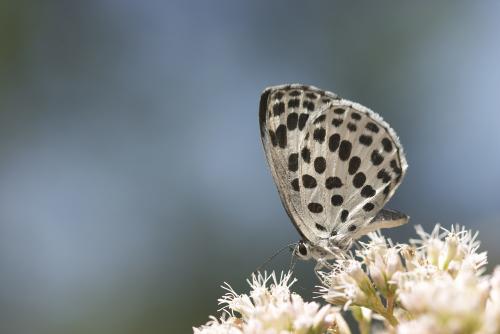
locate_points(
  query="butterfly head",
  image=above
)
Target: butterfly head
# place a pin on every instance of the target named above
(305, 250)
(302, 250)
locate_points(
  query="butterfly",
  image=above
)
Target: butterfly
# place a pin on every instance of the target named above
(335, 163)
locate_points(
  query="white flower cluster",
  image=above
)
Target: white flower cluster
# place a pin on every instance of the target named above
(431, 285)
(270, 308)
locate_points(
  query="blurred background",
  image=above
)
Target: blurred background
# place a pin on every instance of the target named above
(132, 177)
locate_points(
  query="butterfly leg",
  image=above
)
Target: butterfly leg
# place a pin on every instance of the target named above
(317, 270)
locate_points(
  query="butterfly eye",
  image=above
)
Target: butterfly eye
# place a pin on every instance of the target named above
(302, 249)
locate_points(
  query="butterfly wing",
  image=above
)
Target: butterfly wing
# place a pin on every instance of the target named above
(357, 163)
(284, 116)
(337, 168)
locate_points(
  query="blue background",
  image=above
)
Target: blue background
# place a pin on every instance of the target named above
(132, 177)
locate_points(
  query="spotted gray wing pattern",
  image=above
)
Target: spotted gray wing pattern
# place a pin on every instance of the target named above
(335, 162)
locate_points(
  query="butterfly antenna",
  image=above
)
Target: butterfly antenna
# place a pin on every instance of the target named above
(293, 262)
(274, 255)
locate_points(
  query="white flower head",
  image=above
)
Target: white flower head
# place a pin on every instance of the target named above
(434, 284)
(348, 284)
(456, 304)
(382, 259)
(271, 308)
(450, 250)
(218, 326)
(492, 322)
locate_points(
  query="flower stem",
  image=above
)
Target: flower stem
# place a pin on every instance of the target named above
(390, 302)
(387, 314)
(390, 318)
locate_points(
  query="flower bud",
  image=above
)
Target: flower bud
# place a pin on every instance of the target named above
(393, 263)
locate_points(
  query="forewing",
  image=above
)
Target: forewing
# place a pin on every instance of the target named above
(285, 115)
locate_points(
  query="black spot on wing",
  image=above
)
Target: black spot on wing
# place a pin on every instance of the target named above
(339, 111)
(315, 207)
(281, 135)
(386, 143)
(351, 126)
(344, 215)
(274, 140)
(365, 140)
(279, 108)
(377, 158)
(293, 103)
(383, 175)
(292, 120)
(395, 167)
(345, 150)
(319, 135)
(367, 191)
(337, 122)
(308, 181)
(337, 200)
(372, 127)
(355, 116)
(262, 110)
(387, 189)
(319, 165)
(368, 207)
(333, 182)
(320, 227)
(308, 105)
(359, 179)
(293, 162)
(306, 154)
(334, 142)
(295, 184)
(354, 164)
(302, 120)
(320, 119)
